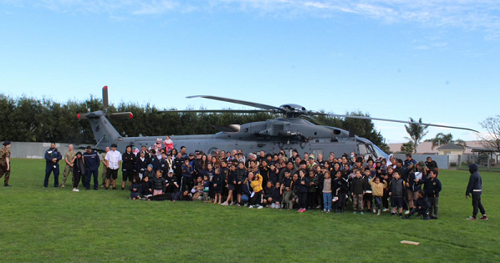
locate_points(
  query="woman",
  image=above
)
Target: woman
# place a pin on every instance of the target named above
(78, 170)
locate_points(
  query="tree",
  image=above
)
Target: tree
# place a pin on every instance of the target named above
(491, 139)
(407, 147)
(442, 139)
(417, 132)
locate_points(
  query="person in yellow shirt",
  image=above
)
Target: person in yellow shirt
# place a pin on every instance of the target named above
(256, 195)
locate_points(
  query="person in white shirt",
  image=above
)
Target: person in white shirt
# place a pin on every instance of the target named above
(113, 162)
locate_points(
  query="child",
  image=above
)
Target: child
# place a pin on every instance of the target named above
(198, 189)
(368, 194)
(303, 188)
(273, 173)
(286, 190)
(312, 190)
(149, 172)
(78, 170)
(158, 184)
(378, 193)
(277, 198)
(268, 194)
(218, 184)
(206, 189)
(256, 185)
(135, 189)
(357, 190)
(147, 191)
(231, 185)
(171, 183)
(421, 206)
(432, 187)
(396, 193)
(340, 188)
(327, 193)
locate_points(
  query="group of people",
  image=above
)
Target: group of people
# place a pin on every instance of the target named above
(259, 180)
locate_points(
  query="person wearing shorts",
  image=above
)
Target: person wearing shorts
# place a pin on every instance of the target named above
(113, 162)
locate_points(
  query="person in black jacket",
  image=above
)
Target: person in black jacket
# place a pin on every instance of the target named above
(78, 170)
(421, 206)
(218, 184)
(135, 189)
(158, 184)
(128, 166)
(52, 158)
(357, 190)
(475, 187)
(340, 189)
(432, 187)
(303, 188)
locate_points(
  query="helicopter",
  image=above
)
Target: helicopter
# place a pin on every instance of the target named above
(288, 132)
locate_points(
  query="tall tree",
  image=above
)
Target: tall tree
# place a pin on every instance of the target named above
(416, 132)
(491, 139)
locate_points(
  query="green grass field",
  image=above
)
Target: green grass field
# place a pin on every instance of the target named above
(58, 225)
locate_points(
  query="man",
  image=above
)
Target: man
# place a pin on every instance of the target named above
(475, 187)
(104, 170)
(68, 159)
(5, 163)
(431, 164)
(113, 161)
(409, 162)
(92, 163)
(52, 158)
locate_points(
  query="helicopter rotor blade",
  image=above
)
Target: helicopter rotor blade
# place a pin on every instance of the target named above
(105, 100)
(242, 102)
(217, 111)
(399, 121)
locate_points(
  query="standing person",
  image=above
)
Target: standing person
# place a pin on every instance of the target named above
(92, 163)
(78, 170)
(52, 158)
(113, 162)
(68, 159)
(475, 187)
(327, 193)
(104, 170)
(128, 166)
(5, 163)
(432, 187)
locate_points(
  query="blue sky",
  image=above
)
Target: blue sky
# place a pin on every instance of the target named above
(438, 60)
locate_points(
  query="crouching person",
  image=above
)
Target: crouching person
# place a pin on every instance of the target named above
(421, 206)
(135, 189)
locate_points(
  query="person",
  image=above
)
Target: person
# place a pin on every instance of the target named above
(396, 193)
(421, 206)
(432, 187)
(92, 163)
(158, 184)
(340, 188)
(475, 188)
(78, 170)
(5, 163)
(68, 159)
(169, 144)
(378, 193)
(197, 190)
(231, 185)
(104, 167)
(269, 193)
(147, 191)
(256, 187)
(206, 189)
(135, 189)
(431, 164)
(312, 190)
(278, 197)
(113, 162)
(218, 185)
(286, 190)
(52, 158)
(128, 166)
(357, 190)
(302, 190)
(327, 193)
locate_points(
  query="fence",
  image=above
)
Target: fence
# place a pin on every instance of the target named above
(34, 150)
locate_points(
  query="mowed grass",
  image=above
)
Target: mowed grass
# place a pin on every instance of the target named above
(58, 225)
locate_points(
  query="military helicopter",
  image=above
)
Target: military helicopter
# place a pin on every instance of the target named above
(286, 133)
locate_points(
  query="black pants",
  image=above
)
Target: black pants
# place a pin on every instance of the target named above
(422, 212)
(340, 204)
(311, 197)
(477, 205)
(76, 179)
(255, 200)
(385, 199)
(303, 200)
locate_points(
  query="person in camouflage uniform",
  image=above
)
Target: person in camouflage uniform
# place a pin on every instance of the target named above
(68, 159)
(5, 163)
(104, 170)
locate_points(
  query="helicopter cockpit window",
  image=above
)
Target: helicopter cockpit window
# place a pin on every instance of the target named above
(362, 149)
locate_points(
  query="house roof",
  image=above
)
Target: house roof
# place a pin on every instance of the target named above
(450, 146)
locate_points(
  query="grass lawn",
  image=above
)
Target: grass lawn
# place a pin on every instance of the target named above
(58, 225)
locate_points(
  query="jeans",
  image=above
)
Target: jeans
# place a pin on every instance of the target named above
(378, 202)
(327, 201)
(49, 168)
(95, 174)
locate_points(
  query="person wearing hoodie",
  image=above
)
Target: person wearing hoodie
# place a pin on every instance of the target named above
(475, 188)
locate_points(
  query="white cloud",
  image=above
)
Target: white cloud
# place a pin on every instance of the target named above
(422, 47)
(155, 7)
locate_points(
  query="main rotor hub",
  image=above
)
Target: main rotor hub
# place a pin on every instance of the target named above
(293, 110)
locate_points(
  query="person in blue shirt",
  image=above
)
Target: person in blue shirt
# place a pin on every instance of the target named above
(52, 158)
(92, 163)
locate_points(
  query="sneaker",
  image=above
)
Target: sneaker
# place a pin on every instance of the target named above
(361, 213)
(324, 210)
(484, 217)
(407, 212)
(318, 207)
(374, 210)
(300, 210)
(76, 190)
(378, 212)
(232, 203)
(354, 212)
(471, 218)
(62, 186)
(7, 185)
(328, 211)
(385, 210)
(239, 204)
(224, 204)
(259, 207)
(250, 206)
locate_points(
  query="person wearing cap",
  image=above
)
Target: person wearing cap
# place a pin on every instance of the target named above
(52, 158)
(68, 159)
(5, 163)
(92, 163)
(113, 161)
